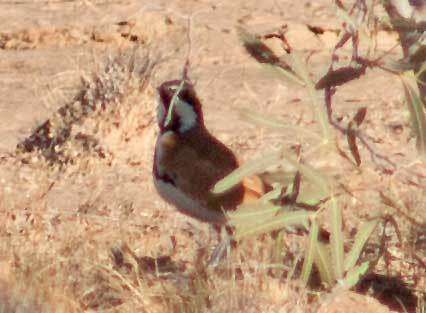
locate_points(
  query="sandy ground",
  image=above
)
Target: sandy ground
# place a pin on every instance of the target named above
(68, 229)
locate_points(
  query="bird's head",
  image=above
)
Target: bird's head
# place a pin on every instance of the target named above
(179, 108)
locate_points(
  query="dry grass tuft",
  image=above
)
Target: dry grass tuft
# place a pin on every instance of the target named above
(78, 241)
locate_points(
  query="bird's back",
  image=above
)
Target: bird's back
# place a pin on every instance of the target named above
(196, 163)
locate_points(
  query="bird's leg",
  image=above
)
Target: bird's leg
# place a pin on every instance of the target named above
(223, 247)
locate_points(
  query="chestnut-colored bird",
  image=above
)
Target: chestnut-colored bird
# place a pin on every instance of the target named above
(189, 161)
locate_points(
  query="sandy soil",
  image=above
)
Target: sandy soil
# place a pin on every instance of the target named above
(82, 223)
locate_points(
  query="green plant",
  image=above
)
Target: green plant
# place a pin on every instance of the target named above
(271, 213)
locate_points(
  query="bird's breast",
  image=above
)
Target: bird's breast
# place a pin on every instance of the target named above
(187, 205)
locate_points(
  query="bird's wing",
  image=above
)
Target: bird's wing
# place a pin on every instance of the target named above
(196, 167)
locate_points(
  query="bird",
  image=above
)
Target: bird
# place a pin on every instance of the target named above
(189, 160)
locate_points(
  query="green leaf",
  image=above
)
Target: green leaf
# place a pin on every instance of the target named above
(317, 107)
(248, 169)
(360, 240)
(311, 193)
(259, 224)
(310, 252)
(274, 194)
(336, 239)
(353, 276)
(420, 72)
(173, 102)
(323, 263)
(314, 176)
(397, 66)
(254, 213)
(416, 109)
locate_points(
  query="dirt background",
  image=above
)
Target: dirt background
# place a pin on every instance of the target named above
(62, 222)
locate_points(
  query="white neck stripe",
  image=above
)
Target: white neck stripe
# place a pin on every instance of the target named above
(188, 117)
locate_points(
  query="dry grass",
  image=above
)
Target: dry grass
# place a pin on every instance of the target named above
(110, 254)
(77, 239)
(76, 242)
